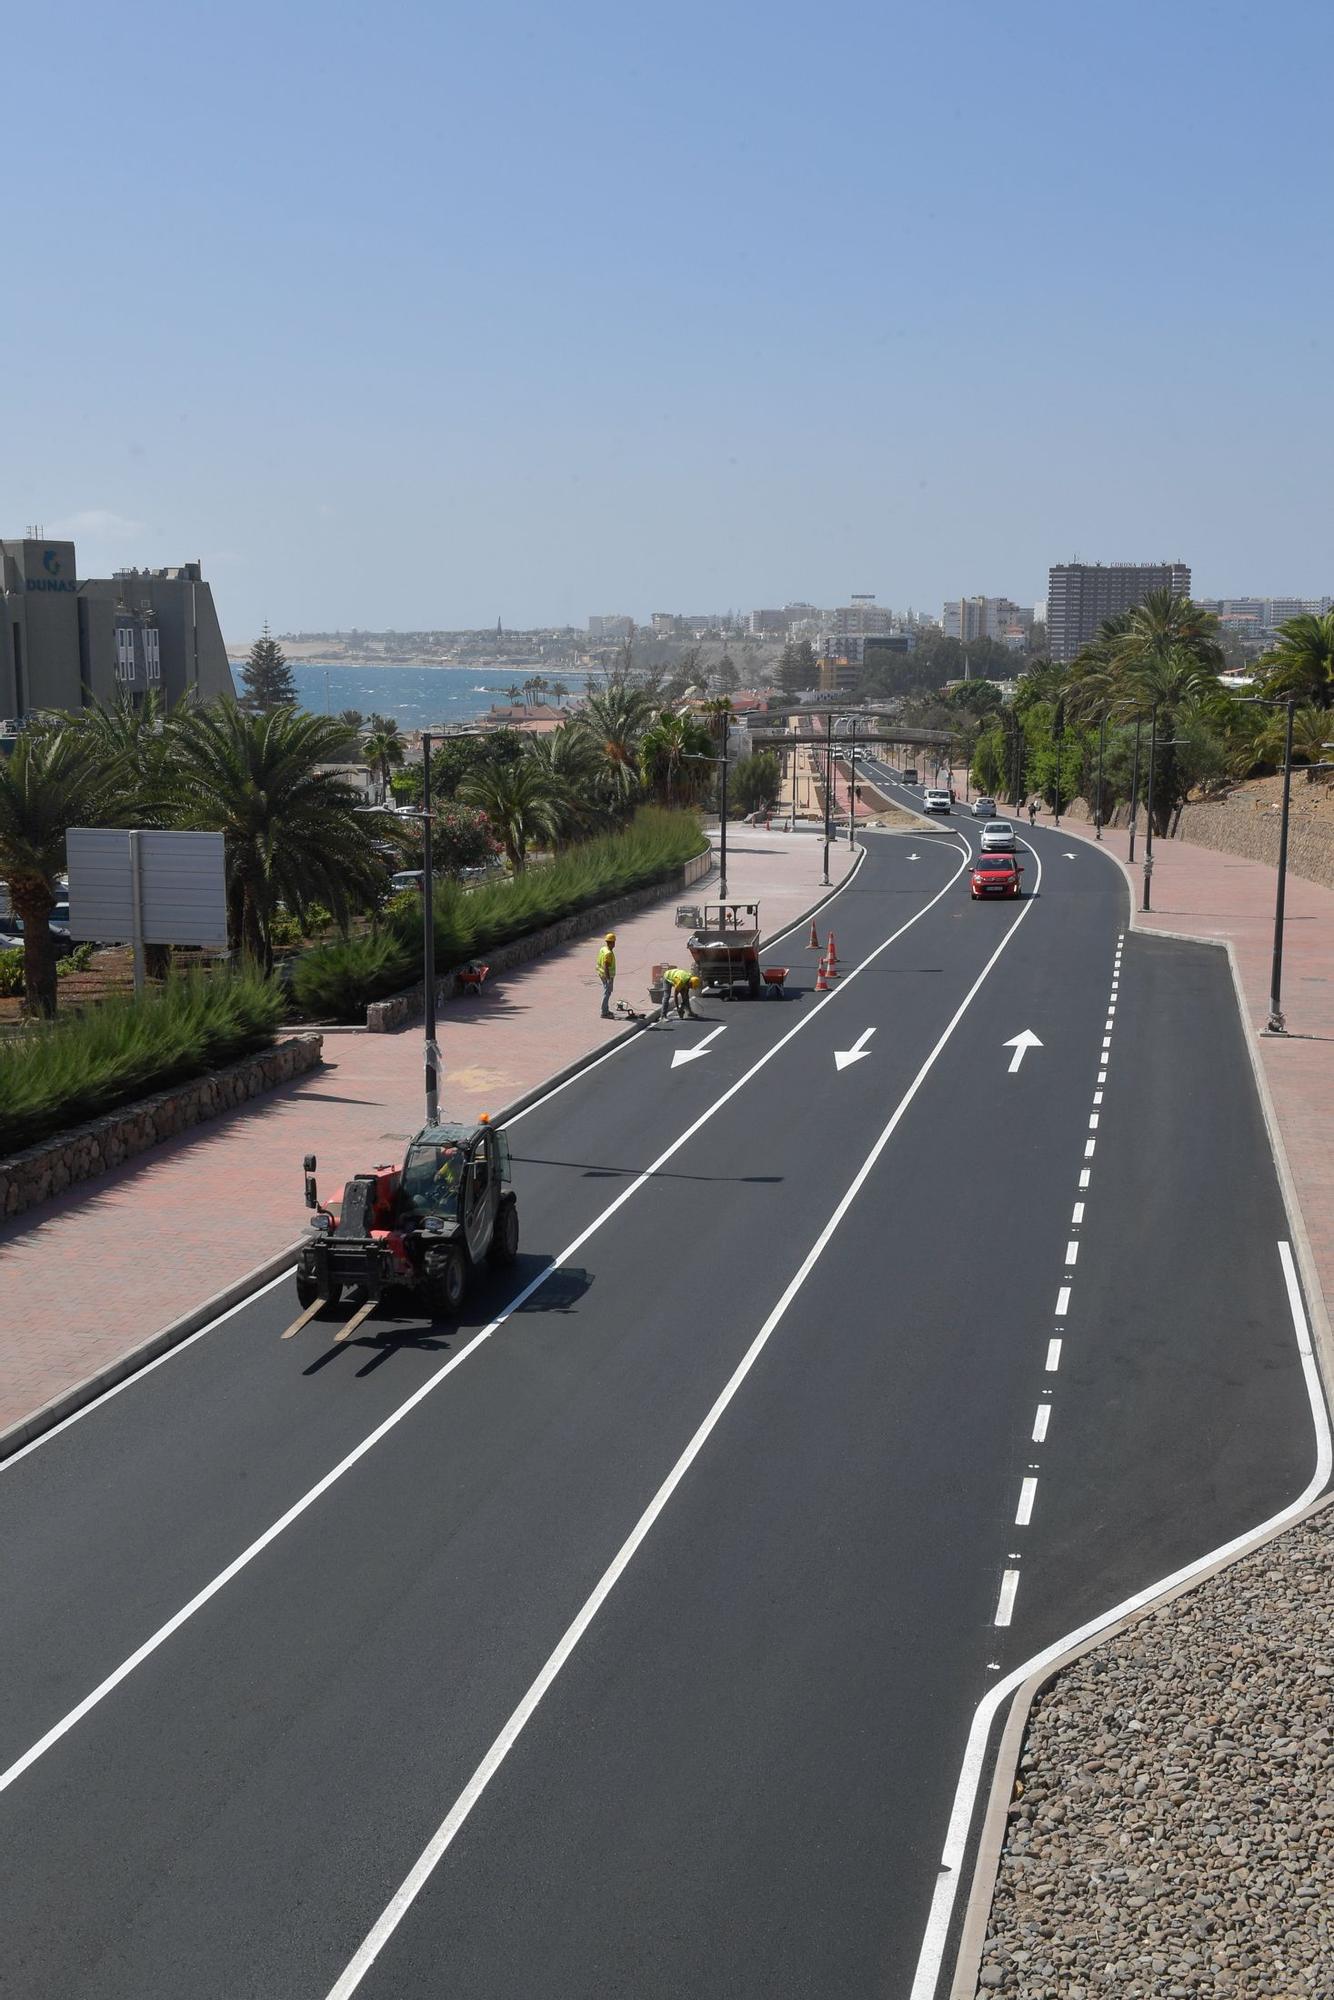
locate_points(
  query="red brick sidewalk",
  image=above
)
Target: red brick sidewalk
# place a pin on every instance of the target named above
(182, 1222)
(1200, 892)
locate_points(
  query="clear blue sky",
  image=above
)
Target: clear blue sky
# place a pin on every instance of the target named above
(412, 314)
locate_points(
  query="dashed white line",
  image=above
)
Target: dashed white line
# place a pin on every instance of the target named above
(1107, 1041)
(1089, 1145)
(1102, 1076)
(1071, 1254)
(1085, 1176)
(1097, 1097)
(1053, 1356)
(1093, 1121)
(1027, 1494)
(1040, 1421)
(1063, 1302)
(1005, 1602)
(1078, 1215)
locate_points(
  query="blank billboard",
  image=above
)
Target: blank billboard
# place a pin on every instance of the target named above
(182, 886)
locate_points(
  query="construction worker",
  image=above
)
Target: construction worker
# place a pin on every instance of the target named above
(607, 971)
(678, 985)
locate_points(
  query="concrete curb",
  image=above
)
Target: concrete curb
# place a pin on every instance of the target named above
(16, 1435)
(986, 1867)
(70, 1400)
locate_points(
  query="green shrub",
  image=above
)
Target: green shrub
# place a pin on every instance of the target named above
(56, 1074)
(11, 973)
(77, 960)
(335, 981)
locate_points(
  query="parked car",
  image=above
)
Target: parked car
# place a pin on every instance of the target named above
(998, 837)
(407, 878)
(995, 875)
(984, 809)
(935, 801)
(62, 944)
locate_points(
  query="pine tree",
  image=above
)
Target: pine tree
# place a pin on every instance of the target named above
(266, 678)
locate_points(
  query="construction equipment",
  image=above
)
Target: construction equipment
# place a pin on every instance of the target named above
(422, 1228)
(725, 947)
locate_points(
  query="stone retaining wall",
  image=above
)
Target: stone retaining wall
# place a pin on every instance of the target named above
(401, 1010)
(1248, 828)
(86, 1150)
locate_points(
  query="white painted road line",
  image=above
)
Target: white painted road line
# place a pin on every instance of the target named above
(1097, 1097)
(1071, 1253)
(1089, 1145)
(443, 1837)
(700, 1048)
(1063, 1302)
(1004, 1606)
(396, 1416)
(936, 1934)
(1085, 1176)
(1078, 1216)
(1042, 1417)
(1027, 1494)
(1093, 1121)
(1053, 1356)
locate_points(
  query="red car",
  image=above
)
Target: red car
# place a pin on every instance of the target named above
(995, 875)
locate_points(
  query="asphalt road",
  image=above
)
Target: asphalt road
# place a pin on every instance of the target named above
(664, 1603)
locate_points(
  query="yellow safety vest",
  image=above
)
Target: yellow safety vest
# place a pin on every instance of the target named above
(606, 963)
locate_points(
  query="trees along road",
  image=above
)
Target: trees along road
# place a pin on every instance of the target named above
(626, 1639)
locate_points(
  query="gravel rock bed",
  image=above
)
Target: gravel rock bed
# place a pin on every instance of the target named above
(1175, 1832)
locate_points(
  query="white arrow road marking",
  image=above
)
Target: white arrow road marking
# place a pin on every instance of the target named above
(1021, 1044)
(1069, 857)
(688, 1055)
(914, 857)
(845, 1056)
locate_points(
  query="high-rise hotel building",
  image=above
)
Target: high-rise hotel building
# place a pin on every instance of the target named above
(1081, 595)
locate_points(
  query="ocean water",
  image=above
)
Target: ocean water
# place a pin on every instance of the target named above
(416, 697)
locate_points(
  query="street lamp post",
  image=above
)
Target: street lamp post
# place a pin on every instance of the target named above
(1148, 816)
(1134, 785)
(1276, 1025)
(852, 788)
(1102, 747)
(428, 941)
(828, 791)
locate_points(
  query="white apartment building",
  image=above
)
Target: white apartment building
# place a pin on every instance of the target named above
(969, 618)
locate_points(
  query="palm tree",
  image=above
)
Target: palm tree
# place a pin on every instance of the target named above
(513, 694)
(666, 754)
(351, 719)
(382, 750)
(53, 780)
(568, 763)
(539, 685)
(615, 716)
(519, 804)
(293, 832)
(1310, 734)
(1302, 663)
(560, 694)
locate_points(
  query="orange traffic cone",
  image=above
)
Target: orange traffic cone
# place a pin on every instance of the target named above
(832, 954)
(821, 983)
(813, 941)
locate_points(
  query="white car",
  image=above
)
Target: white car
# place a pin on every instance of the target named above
(936, 801)
(984, 809)
(998, 837)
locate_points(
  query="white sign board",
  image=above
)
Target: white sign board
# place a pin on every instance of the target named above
(149, 886)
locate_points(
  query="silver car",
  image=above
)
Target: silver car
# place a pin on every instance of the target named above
(984, 809)
(998, 837)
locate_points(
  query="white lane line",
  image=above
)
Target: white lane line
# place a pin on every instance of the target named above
(1041, 1418)
(1028, 1490)
(1085, 1176)
(1097, 1097)
(179, 1347)
(1071, 1253)
(1004, 1608)
(1107, 1043)
(1093, 1121)
(936, 1934)
(1063, 1302)
(77, 1416)
(1102, 1076)
(445, 1834)
(1053, 1356)
(1078, 1215)
(1089, 1145)
(419, 1395)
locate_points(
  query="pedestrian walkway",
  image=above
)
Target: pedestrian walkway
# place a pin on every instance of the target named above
(95, 1272)
(1201, 892)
